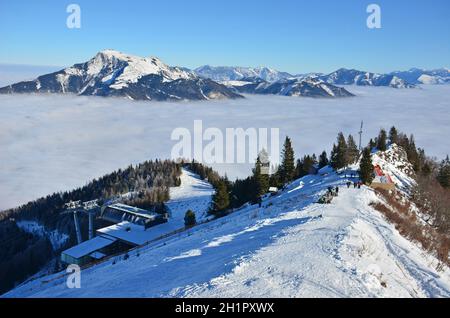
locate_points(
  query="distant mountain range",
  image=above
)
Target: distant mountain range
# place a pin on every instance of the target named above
(230, 73)
(112, 73)
(308, 87)
(354, 77)
(405, 79)
(419, 76)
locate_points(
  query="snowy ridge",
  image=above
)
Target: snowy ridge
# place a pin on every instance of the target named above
(291, 247)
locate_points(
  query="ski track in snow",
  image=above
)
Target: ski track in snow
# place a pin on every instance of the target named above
(291, 247)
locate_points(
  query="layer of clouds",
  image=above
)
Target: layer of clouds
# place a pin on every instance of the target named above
(51, 143)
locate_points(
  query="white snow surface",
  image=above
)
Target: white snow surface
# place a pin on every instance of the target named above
(57, 143)
(290, 247)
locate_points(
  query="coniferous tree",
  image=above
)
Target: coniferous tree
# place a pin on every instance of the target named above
(221, 198)
(274, 179)
(352, 150)
(366, 167)
(261, 177)
(333, 156)
(189, 218)
(305, 165)
(308, 164)
(287, 169)
(412, 153)
(298, 168)
(372, 144)
(393, 135)
(339, 153)
(323, 159)
(381, 140)
(444, 173)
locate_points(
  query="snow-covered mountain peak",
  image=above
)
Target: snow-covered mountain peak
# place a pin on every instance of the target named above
(122, 69)
(113, 73)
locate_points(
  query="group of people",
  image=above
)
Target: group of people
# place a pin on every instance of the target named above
(356, 184)
(334, 191)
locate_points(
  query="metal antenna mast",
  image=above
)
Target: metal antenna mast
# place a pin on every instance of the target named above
(360, 134)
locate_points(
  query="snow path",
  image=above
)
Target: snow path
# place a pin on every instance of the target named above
(291, 247)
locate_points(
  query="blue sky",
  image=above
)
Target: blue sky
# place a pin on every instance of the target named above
(290, 35)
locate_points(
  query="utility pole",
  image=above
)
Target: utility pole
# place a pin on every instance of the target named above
(77, 226)
(360, 134)
(91, 225)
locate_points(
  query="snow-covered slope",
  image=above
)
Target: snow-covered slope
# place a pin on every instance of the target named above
(113, 73)
(290, 247)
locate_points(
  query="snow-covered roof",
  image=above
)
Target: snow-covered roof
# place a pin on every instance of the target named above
(88, 247)
(119, 212)
(130, 209)
(97, 255)
(137, 234)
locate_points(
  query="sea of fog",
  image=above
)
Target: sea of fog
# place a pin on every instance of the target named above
(52, 143)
